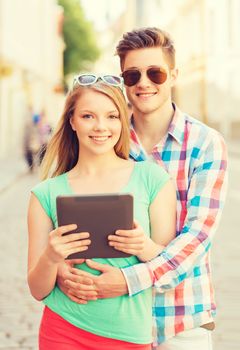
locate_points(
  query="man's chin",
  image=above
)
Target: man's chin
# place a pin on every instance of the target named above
(144, 110)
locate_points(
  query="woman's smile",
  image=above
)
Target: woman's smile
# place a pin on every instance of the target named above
(100, 139)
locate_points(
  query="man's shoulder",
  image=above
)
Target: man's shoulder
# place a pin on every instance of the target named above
(200, 132)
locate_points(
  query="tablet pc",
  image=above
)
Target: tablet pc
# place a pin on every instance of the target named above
(100, 215)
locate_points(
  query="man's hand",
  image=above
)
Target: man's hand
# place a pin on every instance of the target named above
(77, 288)
(110, 284)
(81, 286)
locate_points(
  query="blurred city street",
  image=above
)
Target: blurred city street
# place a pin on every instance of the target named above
(43, 45)
(20, 314)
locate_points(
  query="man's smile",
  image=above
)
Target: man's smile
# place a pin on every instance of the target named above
(146, 94)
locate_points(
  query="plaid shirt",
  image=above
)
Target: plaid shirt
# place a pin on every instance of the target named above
(195, 157)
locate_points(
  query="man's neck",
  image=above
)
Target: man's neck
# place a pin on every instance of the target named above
(152, 127)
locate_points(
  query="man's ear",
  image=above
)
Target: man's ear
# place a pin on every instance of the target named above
(72, 123)
(174, 75)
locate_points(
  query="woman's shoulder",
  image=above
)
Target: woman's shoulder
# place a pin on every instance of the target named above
(147, 173)
(52, 182)
(150, 167)
(151, 177)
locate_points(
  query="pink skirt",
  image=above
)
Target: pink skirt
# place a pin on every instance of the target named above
(56, 333)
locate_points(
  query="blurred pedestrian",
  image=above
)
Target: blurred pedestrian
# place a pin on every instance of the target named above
(45, 131)
(31, 139)
(88, 150)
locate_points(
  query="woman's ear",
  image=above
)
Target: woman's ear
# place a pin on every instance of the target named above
(71, 121)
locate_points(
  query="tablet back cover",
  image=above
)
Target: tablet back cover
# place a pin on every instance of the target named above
(100, 215)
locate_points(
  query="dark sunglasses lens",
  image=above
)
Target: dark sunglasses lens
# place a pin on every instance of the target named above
(86, 79)
(131, 77)
(157, 75)
(112, 79)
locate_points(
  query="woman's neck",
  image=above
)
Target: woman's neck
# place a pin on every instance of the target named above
(96, 165)
(102, 175)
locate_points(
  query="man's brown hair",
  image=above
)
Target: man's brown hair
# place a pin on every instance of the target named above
(143, 38)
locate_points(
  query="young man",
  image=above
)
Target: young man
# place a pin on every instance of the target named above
(195, 156)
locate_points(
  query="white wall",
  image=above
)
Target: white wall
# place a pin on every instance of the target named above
(30, 44)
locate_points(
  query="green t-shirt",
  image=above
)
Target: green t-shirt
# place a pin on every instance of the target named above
(124, 318)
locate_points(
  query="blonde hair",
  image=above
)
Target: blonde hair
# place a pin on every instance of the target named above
(63, 148)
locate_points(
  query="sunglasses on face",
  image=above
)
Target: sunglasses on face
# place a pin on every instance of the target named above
(90, 79)
(156, 74)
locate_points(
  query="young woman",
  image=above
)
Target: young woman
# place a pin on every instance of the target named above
(89, 154)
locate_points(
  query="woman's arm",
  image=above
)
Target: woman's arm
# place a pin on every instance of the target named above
(47, 248)
(162, 214)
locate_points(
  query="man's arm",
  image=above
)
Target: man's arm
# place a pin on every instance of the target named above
(204, 206)
(81, 286)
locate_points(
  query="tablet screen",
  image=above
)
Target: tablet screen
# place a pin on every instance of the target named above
(100, 215)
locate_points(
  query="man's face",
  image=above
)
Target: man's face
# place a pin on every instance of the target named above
(146, 96)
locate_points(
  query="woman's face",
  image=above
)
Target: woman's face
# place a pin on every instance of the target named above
(97, 123)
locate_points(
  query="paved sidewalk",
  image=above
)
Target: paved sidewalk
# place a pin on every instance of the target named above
(11, 168)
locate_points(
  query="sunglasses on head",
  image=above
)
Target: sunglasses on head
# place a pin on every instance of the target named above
(90, 79)
(156, 74)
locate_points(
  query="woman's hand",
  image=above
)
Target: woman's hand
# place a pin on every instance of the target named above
(129, 241)
(135, 242)
(60, 246)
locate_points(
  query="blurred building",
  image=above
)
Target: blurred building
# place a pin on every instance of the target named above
(207, 39)
(31, 66)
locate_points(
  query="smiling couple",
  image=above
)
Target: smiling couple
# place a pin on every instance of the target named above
(108, 303)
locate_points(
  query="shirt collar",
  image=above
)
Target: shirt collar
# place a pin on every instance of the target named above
(176, 130)
(177, 125)
(136, 150)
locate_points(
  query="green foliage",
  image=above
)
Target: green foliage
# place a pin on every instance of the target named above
(79, 37)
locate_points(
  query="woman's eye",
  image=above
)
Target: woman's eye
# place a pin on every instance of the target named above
(87, 116)
(113, 116)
